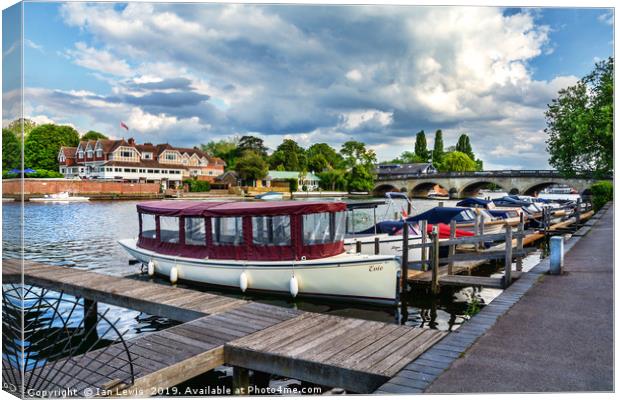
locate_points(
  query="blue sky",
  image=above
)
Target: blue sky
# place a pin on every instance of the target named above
(190, 73)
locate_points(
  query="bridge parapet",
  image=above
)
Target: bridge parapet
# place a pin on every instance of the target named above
(513, 173)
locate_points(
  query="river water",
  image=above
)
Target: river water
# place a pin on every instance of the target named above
(84, 235)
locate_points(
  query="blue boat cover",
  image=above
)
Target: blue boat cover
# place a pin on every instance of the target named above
(442, 215)
(389, 227)
(510, 202)
(472, 202)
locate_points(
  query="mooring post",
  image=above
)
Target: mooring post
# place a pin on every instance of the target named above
(556, 260)
(358, 247)
(452, 247)
(508, 258)
(241, 381)
(476, 229)
(408, 206)
(481, 231)
(435, 259)
(423, 228)
(578, 214)
(377, 246)
(404, 269)
(90, 317)
(520, 239)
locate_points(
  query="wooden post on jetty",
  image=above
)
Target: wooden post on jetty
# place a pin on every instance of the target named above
(481, 232)
(435, 260)
(578, 214)
(452, 247)
(424, 233)
(476, 229)
(358, 247)
(377, 246)
(520, 242)
(241, 381)
(508, 258)
(404, 269)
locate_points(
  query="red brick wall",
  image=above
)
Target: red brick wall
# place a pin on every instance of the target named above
(49, 186)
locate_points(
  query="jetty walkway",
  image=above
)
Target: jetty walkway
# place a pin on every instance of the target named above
(544, 334)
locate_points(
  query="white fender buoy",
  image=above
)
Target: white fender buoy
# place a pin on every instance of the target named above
(293, 286)
(174, 274)
(243, 282)
(151, 268)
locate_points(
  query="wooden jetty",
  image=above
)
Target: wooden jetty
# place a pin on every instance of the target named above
(353, 354)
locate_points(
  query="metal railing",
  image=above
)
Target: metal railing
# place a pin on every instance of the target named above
(386, 174)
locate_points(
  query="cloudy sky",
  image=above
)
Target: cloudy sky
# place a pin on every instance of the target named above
(190, 73)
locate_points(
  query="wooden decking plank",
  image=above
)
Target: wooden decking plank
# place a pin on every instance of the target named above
(275, 335)
(254, 317)
(308, 334)
(184, 342)
(266, 334)
(398, 360)
(270, 311)
(365, 358)
(342, 342)
(341, 356)
(197, 334)
(250, 326)
(214, 326)
(338, 330)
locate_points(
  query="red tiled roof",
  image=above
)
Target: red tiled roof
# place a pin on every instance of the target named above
(69, 152)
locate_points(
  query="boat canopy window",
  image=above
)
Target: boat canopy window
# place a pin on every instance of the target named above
(148, 226)
(271, 231)
(195, 232)
(227, 230)
(320, 228)
(169, 229)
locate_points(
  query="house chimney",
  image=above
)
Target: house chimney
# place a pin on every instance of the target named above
(131, 141)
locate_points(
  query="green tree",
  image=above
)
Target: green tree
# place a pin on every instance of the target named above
(360, 164)
(602, 192)
(322, 156)
(252, 143)
(464, 146)
(16, 126)
(355, 153)
(93, 135)
(290, 155)
(43, 144)
(226, 149)
(457, 161)
(438, 148)
(11, 150)
(251, 166)
(580, 124)
(333, 179)
(422, 154)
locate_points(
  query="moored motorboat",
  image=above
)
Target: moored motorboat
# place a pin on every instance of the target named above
(62, 197)
(270, 196)
(289, 247)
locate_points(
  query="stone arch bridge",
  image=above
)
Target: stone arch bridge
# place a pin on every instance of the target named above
(466, 184)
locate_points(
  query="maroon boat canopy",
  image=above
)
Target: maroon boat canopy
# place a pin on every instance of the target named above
(238, 208)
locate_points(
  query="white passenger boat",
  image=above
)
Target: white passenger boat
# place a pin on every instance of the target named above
(290, 247)
(62, 197)
(270, 196)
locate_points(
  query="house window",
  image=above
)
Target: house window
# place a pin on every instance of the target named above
(271, 231)
(147, 156)
(99, 153)
(156, 171)
(62, 170)
(108, 169)
(171, 156)
(227, 230)
(89, 153)
(150, 171)
(80, 154)
(126, 170)
(195, 232)
(126, 154)
(134, 170)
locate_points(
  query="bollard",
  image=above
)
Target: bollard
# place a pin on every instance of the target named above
(556, 260)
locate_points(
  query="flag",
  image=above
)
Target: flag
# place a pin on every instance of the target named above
(123, 125)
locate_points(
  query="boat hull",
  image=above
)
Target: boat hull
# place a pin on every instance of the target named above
(352, 276)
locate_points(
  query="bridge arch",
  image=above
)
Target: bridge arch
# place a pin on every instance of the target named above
(422, 189)
(381, 190)
(470, 189)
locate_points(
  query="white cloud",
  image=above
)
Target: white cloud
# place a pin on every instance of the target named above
(607, 18)
(377, 74)
(98, 60)
(33, 45)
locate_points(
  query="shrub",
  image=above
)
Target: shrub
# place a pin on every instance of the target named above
(197, 186)
(41, 173)
(602, 192)
(304, 188)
